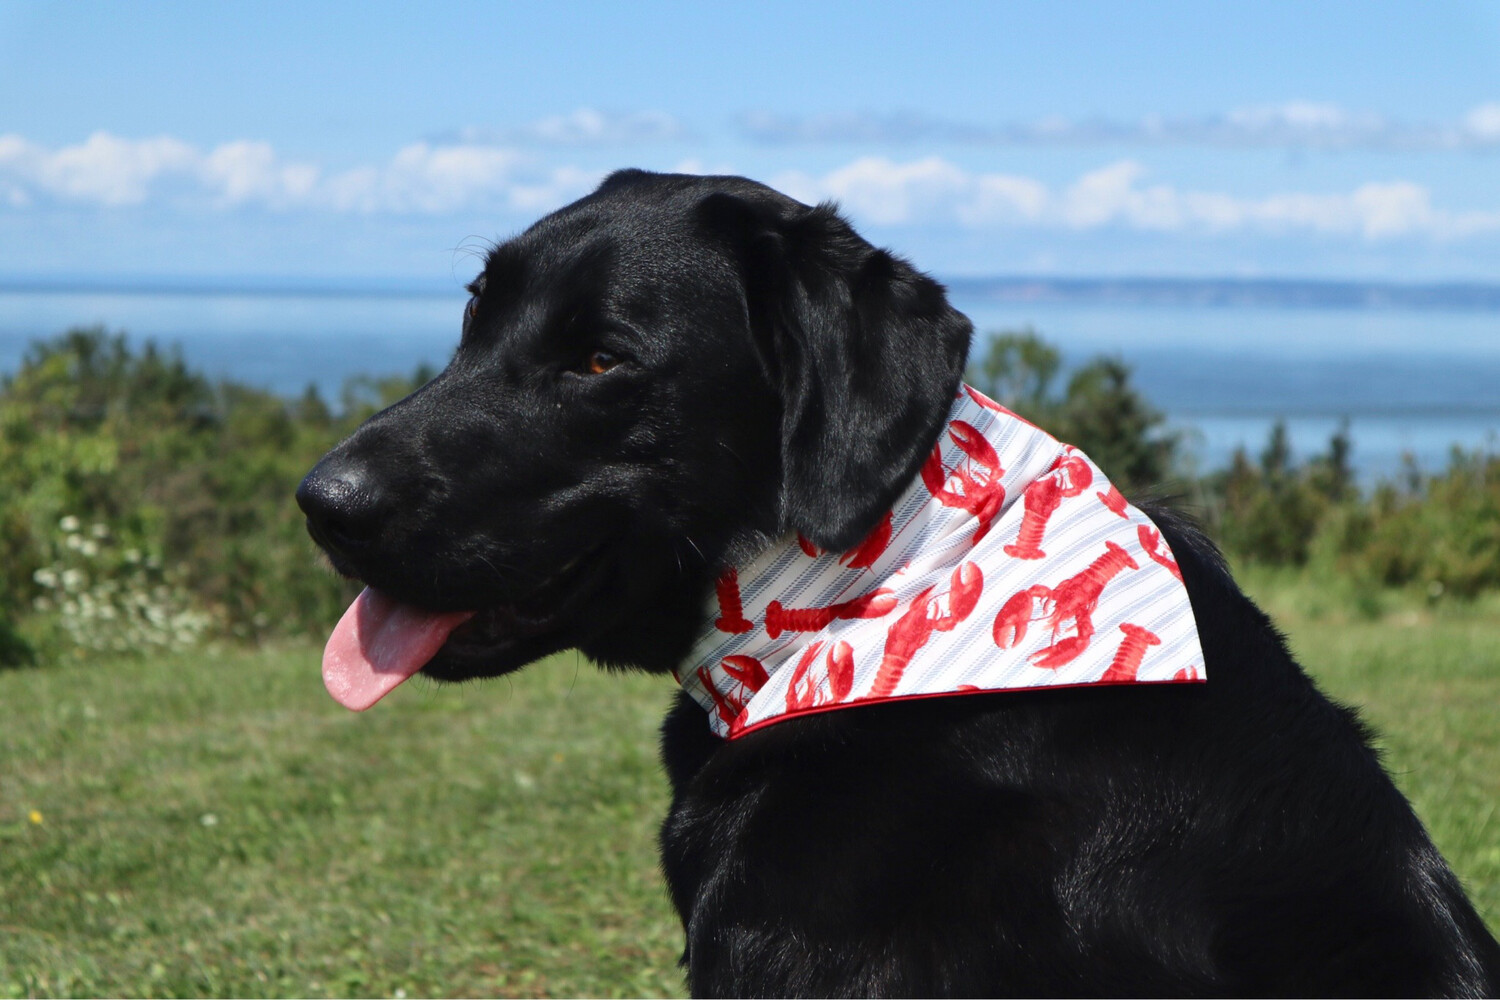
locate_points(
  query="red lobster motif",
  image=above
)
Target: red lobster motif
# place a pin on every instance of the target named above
(1074, 600)
(807, 690)
(1114, 500)
(1069, 476)
(974, 483)
(731, 612)
(1150, 539)
(749, 676)
(927, 613)
(876, 604)
(1127, 661)
(863, 555)
(982, 399)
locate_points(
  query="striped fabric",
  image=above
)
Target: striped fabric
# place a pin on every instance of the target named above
(1010, 563)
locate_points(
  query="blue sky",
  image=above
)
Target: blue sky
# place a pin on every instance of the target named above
(368, 141)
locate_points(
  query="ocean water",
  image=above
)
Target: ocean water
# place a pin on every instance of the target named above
(1408, 382)
(1411, 384)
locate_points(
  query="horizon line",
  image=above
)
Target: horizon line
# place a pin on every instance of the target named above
(1225, 290)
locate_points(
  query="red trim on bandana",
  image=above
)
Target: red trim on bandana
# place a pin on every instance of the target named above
(955, 693)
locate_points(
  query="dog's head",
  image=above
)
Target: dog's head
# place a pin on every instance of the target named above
(651, 383)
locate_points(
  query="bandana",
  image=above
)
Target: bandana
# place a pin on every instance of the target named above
(1009, 563)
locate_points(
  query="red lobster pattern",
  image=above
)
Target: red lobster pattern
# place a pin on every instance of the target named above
(1069, 476)
(808, 688)
(973, 484)
(1150, 538)
(731, 612)
(1074, 600)
(1127, 661)
(927, 613)
(969, 547)
(1114, 500)
(864, 554)
(876, 604)
(749, 676)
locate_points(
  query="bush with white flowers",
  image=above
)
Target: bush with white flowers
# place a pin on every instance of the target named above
(111, 599)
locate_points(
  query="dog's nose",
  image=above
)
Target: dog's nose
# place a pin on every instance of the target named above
(344, 503)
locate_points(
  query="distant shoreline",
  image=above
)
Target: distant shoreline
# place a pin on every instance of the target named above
(1266, 293)
(1272, 293)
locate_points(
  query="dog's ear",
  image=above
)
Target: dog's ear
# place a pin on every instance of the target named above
(867, 353)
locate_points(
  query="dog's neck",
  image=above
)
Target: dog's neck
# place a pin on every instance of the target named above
(1009, 563)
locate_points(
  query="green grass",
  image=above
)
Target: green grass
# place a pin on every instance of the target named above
(214, 824)
(1426, 675)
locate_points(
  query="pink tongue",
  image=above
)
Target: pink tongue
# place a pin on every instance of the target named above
(378, 644)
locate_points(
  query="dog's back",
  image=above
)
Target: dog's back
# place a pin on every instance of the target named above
(1234, 838)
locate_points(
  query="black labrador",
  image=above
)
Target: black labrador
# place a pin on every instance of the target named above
(659, 379)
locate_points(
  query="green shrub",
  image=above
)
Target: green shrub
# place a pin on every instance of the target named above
(1271, 512)
(194, 478)
(1442, 530)
(1099, 411)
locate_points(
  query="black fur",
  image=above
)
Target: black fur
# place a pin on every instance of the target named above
(768, 370)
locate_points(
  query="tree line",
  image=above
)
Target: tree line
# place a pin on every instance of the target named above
(145, 506)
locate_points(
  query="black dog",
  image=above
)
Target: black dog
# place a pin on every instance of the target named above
(659, 379)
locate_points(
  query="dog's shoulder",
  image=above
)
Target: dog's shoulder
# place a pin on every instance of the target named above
(1168, 834)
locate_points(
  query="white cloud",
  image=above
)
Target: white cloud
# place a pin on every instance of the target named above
(881, 191)
(1483, 123)
(1307, 115)
(246, 172)
(886, 192)
(555, 189)
(855, 126)
(110, 171)
(934, 191)
(432, 178)
(103, 169)
(583, 127)
(1297, 124)
(1000, 198)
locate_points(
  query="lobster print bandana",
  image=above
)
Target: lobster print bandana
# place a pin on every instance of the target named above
(1010, 563)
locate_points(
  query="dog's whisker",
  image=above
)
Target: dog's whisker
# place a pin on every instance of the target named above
(734, 454)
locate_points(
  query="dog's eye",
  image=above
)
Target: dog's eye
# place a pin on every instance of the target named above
(471, 309)
(600, 362)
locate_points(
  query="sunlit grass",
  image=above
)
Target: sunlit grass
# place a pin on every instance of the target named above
(212, 823)
(1426, 675)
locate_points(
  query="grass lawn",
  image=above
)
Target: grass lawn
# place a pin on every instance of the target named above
(214, 824)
